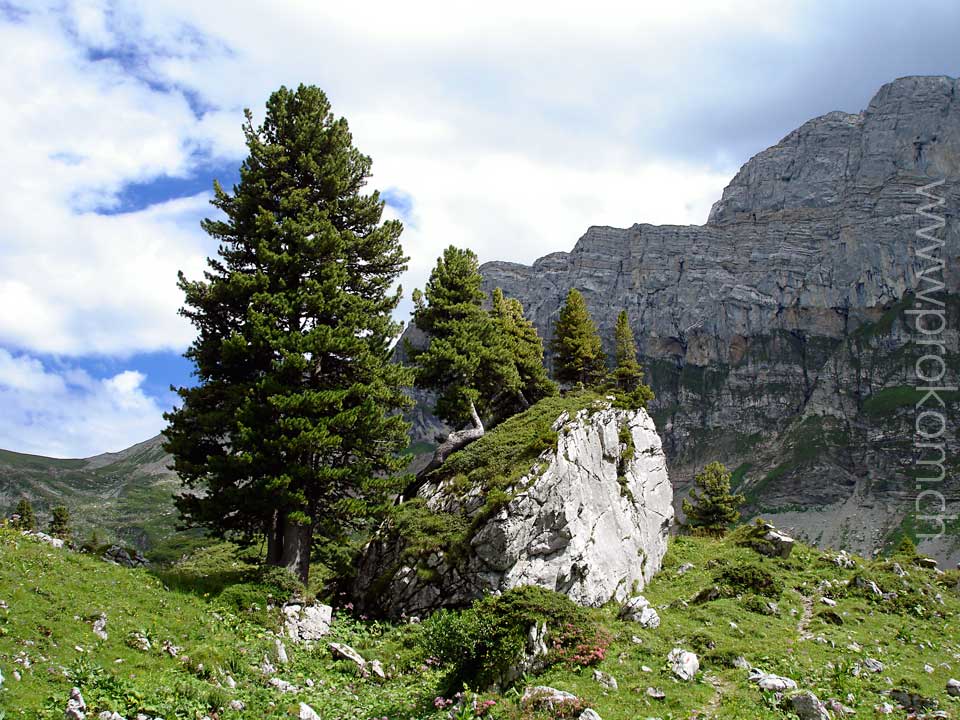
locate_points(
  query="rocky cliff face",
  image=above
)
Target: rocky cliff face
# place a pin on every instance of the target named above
(589, 519)
(774, 335)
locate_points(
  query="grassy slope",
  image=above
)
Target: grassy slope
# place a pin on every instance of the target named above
(53, 595)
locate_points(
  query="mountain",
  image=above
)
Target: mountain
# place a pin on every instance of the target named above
(775, 335)
(127, 495)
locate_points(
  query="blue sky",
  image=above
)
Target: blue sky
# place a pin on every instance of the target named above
(505, 127)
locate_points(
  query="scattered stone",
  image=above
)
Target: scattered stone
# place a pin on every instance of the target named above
(741, 662)
(912, 701)
(307, 623)
(844, 560)
(266, 667)
(376, 668)
(76, 707)
(307, 712)
(108, 715)
(230, 682)
(807, 706)
(838, 708)
(953, 687)
(771, 682)
(870, 585)
(171, 649)
(927, 668)
(636, 640)
(774, 543)
(829, 602)
(340, 650)
(281, 652)
(685, 568)
(683, 663)
(873, 665)
(44, 538)
(237, 705)
(283, 686)
(898, 570)
(656, 693)
(706, 595)
(120, 556)
(543, 696)
(637, 609)
(100, 627)
(926, 562)
(605, 679)
(589, 714)
(139, 641)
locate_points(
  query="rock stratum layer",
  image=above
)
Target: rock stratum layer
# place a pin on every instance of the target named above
(589, 519)
(774, 336)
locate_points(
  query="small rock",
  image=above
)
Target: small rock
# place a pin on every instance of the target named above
(646, 669)
(829, 602)
(307, 713)
(237, 705)
(685, 568)
(683, 663)
(656, 693)
(376, 667)
(925, 562)
(589, 714)
(139, 641)
(928, 668)
(100, 627)
(884, 708)
(281, 652)
(911, 701)
(898, 570)
(266, 667)
(605, 679)
(306, 623)
(637, 609)
(807, 706)
(230, 682)
(776, 544)
(873, 665)
(771, 682)
(838, 708)
(542, 696)
(283, 686)
(107, 715)
(346, 652)
(741, 662)
(953, 687)
(635, 640)
(76, 708)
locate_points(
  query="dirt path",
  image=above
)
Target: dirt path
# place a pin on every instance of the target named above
(712, 709)
(805, 618)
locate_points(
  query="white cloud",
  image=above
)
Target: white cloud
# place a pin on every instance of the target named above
(69, 414)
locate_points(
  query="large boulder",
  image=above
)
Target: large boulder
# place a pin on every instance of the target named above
(589, 519)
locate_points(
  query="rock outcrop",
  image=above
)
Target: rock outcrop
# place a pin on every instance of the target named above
(589, 519)
(774, 335)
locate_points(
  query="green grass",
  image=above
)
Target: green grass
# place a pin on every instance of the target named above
(53, 596)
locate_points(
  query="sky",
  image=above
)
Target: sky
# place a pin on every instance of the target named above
(509, 128)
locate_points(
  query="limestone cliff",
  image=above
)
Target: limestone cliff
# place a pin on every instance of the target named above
(589, 518)
(774, 335)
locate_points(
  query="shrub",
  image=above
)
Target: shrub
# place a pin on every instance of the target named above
(480, 645)
(757, 604)
(749, 578)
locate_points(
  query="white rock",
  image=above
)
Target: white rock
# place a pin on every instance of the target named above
(100, 627)
(543, 696)
(683, 664)
(589, 714)
(376, 668)
(107, 715)
(76, 708)
(230, 682)
(829, 602)
(771, 682)
(283, 686)
(807, 706)
(873, 665)
(346, 652)
(307, 623)
(685, 568)
(307, 713)
(637, 609)
(237, 705)
(605, 679)
(281, 652)
(953, 687)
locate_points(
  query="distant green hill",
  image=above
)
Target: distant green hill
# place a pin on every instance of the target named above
(127, 496)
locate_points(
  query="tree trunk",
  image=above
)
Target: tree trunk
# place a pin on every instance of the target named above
(455, 441)
(275, 540)
(297, 542)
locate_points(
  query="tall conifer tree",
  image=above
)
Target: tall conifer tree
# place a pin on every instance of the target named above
(578, 352)
(291, 430)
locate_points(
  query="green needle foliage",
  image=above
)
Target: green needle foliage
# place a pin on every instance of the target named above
(60, 522)
(628, 376)
(291, 430)
(578, 351)
(490, 361)
(26, 520)
(713, 508)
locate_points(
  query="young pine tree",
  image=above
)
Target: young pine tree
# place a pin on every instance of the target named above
(291, 430)
(712, 508)
(578, 353)
(526, 348)
(628, 376)
(27, 520)
(469, 363)
(60, 522)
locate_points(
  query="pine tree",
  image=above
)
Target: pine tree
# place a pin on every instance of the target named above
(291, 431)
(26, 520)
(526, 349)
(60, 522)
(468, 362)
(578, 352)
(714, 508)
(628, 376)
